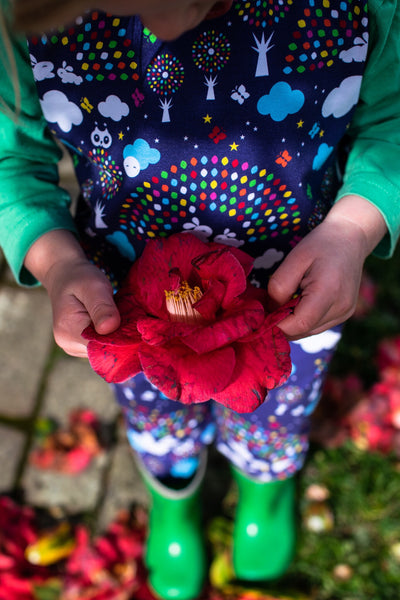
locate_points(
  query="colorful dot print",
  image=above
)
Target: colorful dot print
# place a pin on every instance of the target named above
(263, 12)
(110, 175)
(211, 51)
(257, 202)
(320, 35)
(165, 74)
(95, 46)
(272, 443)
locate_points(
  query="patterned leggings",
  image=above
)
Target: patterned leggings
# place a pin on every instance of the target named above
(267, 444)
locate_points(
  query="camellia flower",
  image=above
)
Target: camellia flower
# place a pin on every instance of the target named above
(195, 326)
(67, 450)
(18, 577)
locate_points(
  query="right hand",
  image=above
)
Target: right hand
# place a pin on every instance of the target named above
(79, 292)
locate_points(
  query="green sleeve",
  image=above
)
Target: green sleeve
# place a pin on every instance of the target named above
(373, 166)
(31, 202)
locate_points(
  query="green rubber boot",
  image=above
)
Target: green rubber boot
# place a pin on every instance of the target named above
(175, 553)
(264, 533)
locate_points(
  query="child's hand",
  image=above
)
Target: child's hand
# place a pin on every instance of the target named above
(79, 292)
(327, 266)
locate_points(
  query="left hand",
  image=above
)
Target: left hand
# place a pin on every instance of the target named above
(327, 266)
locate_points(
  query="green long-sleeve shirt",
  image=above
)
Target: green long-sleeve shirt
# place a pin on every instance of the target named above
(32, 203)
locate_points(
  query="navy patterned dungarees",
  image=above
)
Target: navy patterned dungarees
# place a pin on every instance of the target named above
(229, 132)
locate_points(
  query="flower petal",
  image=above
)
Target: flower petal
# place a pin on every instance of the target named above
(149, 277)
(282, 312)
(114, 363)
(210, 302)
(156, 331)
(127, 333)
(222, 265)
(261, 365)
(272, 319)
(183, 375)
(227, 330)
(245, 259)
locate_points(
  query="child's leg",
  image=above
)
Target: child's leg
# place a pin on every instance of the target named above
(266, 449)
(168, 436)
(169, 440)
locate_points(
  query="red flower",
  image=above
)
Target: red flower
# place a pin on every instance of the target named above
(18, 577)
(68, 450)
(389, 353)
(195, 326)
(110, 568)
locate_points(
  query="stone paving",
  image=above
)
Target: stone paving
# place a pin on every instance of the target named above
(37, 379)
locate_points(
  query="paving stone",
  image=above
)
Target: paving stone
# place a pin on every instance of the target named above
(11, 446)
(73, 384)
(25, 340)
(72, 493)
(124, 486)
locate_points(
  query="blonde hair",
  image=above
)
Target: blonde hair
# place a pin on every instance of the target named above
(37, 16)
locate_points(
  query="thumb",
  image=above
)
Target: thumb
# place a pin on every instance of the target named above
(102, 309)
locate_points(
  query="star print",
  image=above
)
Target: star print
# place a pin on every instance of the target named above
(300, 124)
(121, 135)
(242, 137)
(255, 128)
(185, 139)
(321, 133)
(156, 141)
(234, 146)
(207, 119)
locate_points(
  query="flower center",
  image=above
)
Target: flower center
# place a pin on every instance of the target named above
(180, 303)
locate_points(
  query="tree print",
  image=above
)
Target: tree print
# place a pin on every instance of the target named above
(165, 76)
(211, 51)
(262, 48)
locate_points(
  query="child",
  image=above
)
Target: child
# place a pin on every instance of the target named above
(227, 120)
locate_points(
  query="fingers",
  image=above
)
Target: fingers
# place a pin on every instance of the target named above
(327, 279)
(89, 300)
(286, 280)
(310, 317)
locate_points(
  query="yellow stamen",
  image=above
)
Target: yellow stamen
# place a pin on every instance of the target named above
(180, 303)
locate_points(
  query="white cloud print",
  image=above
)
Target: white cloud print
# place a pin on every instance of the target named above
(326, 340)
(112, 107)
(268, 259)
(58, 109)
(341, 100)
